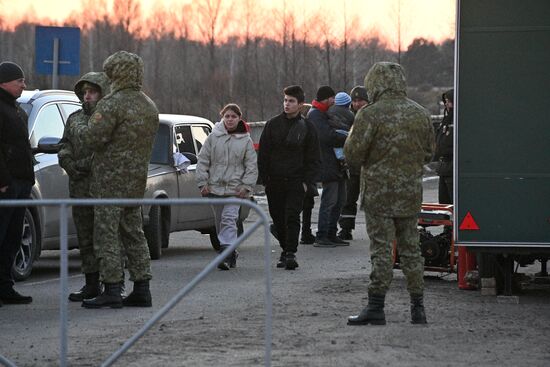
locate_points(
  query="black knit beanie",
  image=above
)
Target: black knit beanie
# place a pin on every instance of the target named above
(10, 71)
(324, 92)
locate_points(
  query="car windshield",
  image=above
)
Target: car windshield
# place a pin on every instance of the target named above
(162, 147)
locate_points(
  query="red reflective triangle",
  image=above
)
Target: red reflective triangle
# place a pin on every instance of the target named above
(468, 223)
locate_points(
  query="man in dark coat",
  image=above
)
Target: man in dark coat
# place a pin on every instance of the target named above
(288, 162)
(359, 99)
(16, 175)
(332, 174)
(444, 150)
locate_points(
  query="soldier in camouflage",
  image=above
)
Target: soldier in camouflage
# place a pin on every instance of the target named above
(121, 133)
(76, 160)
(390, 141)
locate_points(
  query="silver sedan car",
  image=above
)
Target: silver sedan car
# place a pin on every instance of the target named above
(178, 136)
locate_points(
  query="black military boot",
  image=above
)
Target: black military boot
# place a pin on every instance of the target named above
(372, 314)
(418, 314)
(140, 296)
(109, 298)
(282, 260)
(91, 289)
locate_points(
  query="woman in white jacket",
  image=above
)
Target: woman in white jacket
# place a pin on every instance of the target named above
(227, 167)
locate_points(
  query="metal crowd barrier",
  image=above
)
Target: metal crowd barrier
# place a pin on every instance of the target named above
(63, 204)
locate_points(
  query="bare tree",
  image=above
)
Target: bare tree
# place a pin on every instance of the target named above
(250, 17)
(400, 26)
(212, 19)
(96, 10)
(326, 32)
(126, 18)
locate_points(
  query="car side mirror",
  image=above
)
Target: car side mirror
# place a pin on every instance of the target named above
(48, 145)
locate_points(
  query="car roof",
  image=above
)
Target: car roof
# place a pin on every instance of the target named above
(29, 96)
(171, 119)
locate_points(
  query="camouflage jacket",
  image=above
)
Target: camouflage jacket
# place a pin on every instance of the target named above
(74, 157)
(121, 131)
(390, 140)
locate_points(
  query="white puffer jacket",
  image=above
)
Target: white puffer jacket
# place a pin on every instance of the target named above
(227, 162)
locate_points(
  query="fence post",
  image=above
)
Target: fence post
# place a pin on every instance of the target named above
(64, 274)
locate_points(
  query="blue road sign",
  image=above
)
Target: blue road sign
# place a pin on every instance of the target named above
(68, 46)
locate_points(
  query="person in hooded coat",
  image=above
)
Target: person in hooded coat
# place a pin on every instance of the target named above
(76, 159)
(121, 133)
(391, 139)
(444, 150)
(227, 167)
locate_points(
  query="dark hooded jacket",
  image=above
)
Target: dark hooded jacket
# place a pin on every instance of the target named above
(444, 141)
(121, 131)
(391, 139)
(16, 159)
(75, 157)
(331, 169)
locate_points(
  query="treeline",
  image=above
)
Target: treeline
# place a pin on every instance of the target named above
(188, 76)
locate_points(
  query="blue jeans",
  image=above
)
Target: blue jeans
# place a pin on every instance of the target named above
(332, 200)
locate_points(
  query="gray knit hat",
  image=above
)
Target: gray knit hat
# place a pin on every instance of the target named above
(10, 71)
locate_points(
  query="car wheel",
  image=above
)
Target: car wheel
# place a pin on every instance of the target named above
(24, 259)
(165, 226)
(214, 241)
(153, 232)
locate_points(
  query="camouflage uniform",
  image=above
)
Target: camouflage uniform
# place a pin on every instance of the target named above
(121, 132)
(390, 140)
(76, 160)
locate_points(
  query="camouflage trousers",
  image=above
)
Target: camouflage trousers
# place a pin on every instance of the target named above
(382, 232)
(120, 230)
(83, 217)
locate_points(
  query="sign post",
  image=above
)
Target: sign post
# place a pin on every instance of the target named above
(57, 52)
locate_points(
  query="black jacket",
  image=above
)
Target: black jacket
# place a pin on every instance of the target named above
(289, 149)
(444, 145)
(331, 169)
(16, 159)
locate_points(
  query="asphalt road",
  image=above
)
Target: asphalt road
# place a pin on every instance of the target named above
(224, 316)
(33, 330)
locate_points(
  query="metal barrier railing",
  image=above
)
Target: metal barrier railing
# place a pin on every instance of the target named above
(63, 204)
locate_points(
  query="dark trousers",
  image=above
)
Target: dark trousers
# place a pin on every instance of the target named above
(445, 189)
(309, 203)
(332, 199)
(11, 229)
(349, 210)
(285, 199)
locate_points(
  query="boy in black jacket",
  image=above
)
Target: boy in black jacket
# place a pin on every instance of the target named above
(288, 162)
